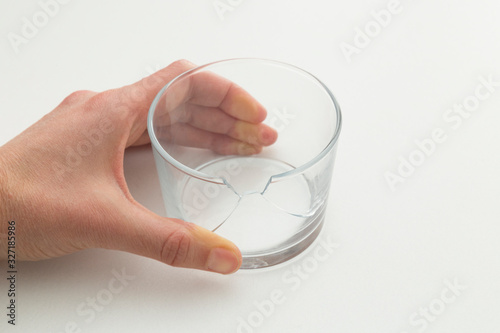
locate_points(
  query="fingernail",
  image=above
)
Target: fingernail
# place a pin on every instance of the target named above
(268, 136)
(222, 261)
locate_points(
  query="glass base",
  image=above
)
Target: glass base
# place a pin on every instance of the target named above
(258, 217)
(302, 242)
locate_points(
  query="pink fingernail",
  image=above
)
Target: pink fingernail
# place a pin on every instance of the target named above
(222, 261)
(268, 136)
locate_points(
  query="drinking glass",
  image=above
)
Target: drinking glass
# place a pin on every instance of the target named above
(271, 204)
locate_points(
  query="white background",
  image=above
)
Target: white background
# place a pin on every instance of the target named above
(395, 248)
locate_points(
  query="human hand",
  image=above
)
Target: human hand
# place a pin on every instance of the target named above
(62, 179)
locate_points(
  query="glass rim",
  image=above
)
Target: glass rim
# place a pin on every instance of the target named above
(220, 180)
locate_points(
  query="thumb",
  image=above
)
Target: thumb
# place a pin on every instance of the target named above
(175, 242)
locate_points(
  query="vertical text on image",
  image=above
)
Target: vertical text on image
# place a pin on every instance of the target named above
(11, 272)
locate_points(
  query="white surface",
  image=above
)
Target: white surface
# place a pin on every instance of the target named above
(395, 248)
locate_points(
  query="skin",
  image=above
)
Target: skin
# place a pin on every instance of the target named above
(62, 205)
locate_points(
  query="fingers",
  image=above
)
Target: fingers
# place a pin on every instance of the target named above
(191, 246)
(142, 93)
(134, 100)
(190, 136)
(212, 120)
(211, 90)
(208, 89)
(206, 101)
(173, 242)
(216, 121)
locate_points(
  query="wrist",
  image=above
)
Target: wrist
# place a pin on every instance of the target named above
(7, 179)
(10, 173)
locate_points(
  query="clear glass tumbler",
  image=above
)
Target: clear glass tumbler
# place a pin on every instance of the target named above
(270, 204)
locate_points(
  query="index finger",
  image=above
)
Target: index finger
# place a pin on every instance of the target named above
(208, 89)
(212, 90)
